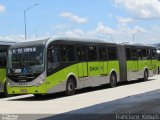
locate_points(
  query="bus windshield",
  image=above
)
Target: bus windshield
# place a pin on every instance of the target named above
(26, 60)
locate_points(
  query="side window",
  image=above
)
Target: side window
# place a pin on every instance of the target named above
(128, 54)
(53, 57)
(112, 53)
(3, 58)
(67, 53)
(133, 54)
(154, 54)
(144, 54)
(159, 56)
(140, 54)
(102, 53)
(81, 56)
(148, 54)
(92, 53)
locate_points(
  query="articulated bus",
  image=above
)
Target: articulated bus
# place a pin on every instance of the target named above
(4, 45)
(65, 64)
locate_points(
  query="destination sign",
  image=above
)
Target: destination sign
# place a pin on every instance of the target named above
(24, 50)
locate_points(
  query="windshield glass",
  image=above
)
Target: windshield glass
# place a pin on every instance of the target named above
(26, 60)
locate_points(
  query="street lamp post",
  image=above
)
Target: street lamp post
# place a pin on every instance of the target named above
(109, 36)
(135, 34)
(25, 23)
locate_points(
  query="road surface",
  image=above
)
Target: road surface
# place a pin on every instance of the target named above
(131, 98)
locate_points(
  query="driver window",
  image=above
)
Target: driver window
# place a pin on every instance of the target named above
(53, 57)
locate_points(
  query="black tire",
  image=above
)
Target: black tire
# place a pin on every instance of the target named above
(5, 93)
(145, 78)
(70, 87)
(113, 80)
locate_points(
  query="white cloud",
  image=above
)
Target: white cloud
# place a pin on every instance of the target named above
(2, 8)
(104, 29)
(73, 17)
(119, 34)
(60, 27)
(143, 9)
(124, 21)
(13, 37)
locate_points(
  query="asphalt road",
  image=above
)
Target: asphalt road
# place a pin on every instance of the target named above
(91, 103)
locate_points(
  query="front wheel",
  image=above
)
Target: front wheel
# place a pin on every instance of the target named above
(113, 80)
(5, 90)
(70, 87)
(145, 75)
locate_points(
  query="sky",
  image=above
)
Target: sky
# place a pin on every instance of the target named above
(111, 20)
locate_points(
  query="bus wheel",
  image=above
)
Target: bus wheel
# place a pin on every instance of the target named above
(145, 75)
(70, 87)
(5, 90)
(113, 80)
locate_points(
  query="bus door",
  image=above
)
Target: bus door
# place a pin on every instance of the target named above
(93, 63)
(134, 68)
(154, 59)
(82, 63)
(103, 60)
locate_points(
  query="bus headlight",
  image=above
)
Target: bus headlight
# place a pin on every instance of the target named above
(9, 84)
(39, 83)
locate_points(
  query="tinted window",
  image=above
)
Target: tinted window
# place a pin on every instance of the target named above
(154, 54)
(140, 54)
(144, 54)
(112, 53)
(81, 56)
(102, 53)
(92, 53)
(3, 58)
(67, 53)
(128, 54)
(133, 54)
(53, 57)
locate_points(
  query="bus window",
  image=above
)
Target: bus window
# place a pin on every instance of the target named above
(148, 54)
(92, 53)
(133, 54)
(102, 53)
(128, 54)
(144, 54)
(154, 54)
(3, 56)
(81, 53)
(140, 54)
(112, 53)
(53, 57)
(67, 53)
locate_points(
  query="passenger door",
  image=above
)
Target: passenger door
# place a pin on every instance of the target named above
(103, 60)
(131, 63)
(82, 64)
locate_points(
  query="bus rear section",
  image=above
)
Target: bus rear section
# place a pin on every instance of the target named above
(139, 61)
(4, 45)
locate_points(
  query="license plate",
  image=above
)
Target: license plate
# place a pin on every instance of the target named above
(23, 90)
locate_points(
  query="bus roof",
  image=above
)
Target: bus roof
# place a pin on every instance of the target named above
(6, 42)
(58, 39)
(136, 44)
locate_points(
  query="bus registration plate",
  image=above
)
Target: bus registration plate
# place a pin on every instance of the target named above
(23, 90)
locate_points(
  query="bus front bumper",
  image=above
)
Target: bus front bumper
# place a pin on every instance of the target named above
(41, 89)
